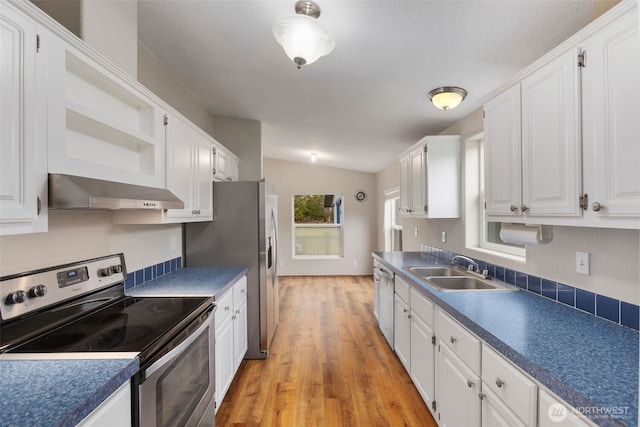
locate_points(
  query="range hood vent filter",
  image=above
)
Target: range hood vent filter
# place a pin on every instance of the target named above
(74, 192)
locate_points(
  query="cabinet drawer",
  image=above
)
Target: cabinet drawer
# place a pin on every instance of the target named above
(402, 289)
(240, 290)
(224, 308)
(554, 413)
(422, 307)
(510, 385)
(462, 342)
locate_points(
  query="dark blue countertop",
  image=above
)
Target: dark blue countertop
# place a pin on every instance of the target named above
(191, 281)
(58, 392)
(589, 362)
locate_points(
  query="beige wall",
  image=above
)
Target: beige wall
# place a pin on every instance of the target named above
(292, 178)
(244, 139)
(615, 254)
(157, 77)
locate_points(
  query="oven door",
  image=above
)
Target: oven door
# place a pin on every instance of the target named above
(179, 388)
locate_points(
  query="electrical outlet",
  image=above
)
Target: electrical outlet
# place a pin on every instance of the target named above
(444, 237)
(582, 262)
(415, 231)
(173, 243)
(355, 262)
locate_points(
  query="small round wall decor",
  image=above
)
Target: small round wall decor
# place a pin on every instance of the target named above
(361, 196)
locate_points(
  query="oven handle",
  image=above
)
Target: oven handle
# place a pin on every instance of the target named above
(181, 347)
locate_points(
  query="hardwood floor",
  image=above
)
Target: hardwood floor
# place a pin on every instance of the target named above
(329, 365)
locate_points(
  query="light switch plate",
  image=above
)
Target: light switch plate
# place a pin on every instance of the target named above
(582, 262)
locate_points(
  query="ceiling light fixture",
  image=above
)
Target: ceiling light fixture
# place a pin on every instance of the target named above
(447, 97)
(314, 157)
(302, 36)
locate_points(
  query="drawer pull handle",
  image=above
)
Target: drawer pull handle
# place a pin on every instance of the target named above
(227, 308)
(453, 340)
(499, 382)
(405, 310)
(470, 383)
(237, 311)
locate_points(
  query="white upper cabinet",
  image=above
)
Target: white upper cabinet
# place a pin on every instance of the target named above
(502, 153)
(561, 145)
(23, 163)
(551, 180)
(430, 178)
(189, 176)
(611, 109)
(100, 126)
(532, 145)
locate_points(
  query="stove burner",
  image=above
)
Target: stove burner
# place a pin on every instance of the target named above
(164, 304)
(111, 338)
(104, 318)
(60, 341)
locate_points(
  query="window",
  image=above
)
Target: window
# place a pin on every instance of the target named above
(317, 225)
(392, 225)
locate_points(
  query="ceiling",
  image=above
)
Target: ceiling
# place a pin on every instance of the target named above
(365, 102)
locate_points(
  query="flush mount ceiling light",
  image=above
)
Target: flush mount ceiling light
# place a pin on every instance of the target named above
(314, 157)
(447, 97)
(302, 36)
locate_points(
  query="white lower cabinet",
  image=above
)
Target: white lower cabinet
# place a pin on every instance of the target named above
(114, 411)
(422, 358)
(402, 331)
(231, 336)
(553, 413)
(506, 383)
(457, 389)
(495, 413)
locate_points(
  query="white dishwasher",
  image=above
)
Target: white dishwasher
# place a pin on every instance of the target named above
(385, 308)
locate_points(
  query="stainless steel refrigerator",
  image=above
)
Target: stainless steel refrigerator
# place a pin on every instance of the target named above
(243, 232)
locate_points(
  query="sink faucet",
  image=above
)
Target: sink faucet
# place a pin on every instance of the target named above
(472, 264)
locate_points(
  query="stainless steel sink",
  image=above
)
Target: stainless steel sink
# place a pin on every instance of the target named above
(436, 271)
(467, 283)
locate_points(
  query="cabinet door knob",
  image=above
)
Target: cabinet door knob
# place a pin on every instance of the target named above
(453, 340)
(596, 206)
(481, 396)
(499, 382)
(513, 208)
(227, 308)
(524, 208)
(470, 383)
(405, 310)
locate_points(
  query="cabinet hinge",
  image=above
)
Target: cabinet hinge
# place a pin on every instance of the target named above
(425, 148)
(433, 405)
(426, 208)
(433, 341)
(582, 59)
(485, 205)
(37, 42)
(584, 201)
(39, 205)
(484, 114)
(165, 120)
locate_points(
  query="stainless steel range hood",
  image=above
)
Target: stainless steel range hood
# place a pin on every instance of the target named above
(74, 192)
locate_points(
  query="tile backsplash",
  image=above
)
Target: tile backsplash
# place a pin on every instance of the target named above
(138, 277)
(620, 312)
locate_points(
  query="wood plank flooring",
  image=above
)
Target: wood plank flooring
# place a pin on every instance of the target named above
(329, 365)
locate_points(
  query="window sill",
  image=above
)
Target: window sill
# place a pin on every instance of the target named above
(480, 252)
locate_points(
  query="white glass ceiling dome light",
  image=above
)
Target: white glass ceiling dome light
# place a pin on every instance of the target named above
(448, 97)
(302, 36)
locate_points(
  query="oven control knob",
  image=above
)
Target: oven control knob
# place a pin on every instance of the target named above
(15, 297)
(37, 291)
(105, 272)
(116, 268)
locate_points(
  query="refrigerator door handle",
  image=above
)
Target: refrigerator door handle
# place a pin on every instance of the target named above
(269, 254)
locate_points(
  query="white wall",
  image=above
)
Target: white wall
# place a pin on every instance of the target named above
(79, 235)
(615, 254)
(292, 178)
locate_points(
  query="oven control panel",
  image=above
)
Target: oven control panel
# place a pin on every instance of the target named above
(24, 293)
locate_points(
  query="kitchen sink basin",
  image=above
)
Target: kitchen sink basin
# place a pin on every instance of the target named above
(467, 283)
(435, 271)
